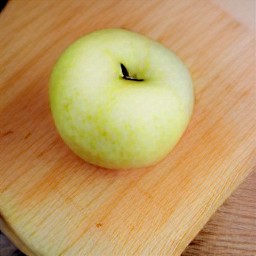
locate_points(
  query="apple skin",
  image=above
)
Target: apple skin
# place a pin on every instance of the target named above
(113, 122)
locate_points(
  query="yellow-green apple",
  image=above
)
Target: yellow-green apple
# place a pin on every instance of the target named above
(119, 99)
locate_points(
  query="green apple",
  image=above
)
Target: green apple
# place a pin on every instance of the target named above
(119, 99)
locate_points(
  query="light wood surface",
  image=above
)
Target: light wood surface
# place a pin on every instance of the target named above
(243, 11)
(54, 203)
(232, 229)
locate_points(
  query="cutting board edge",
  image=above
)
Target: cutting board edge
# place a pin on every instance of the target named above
(10, 233)
(21, 245)
(201, 222)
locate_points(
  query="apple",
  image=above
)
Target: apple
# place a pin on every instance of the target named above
(119, 99)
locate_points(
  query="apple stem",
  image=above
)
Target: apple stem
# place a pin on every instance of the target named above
(126, 75)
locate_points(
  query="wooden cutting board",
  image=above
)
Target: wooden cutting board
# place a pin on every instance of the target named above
(53, 203)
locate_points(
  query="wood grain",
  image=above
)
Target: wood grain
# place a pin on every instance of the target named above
(242, 10)
(232, 229)
(56, 204)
